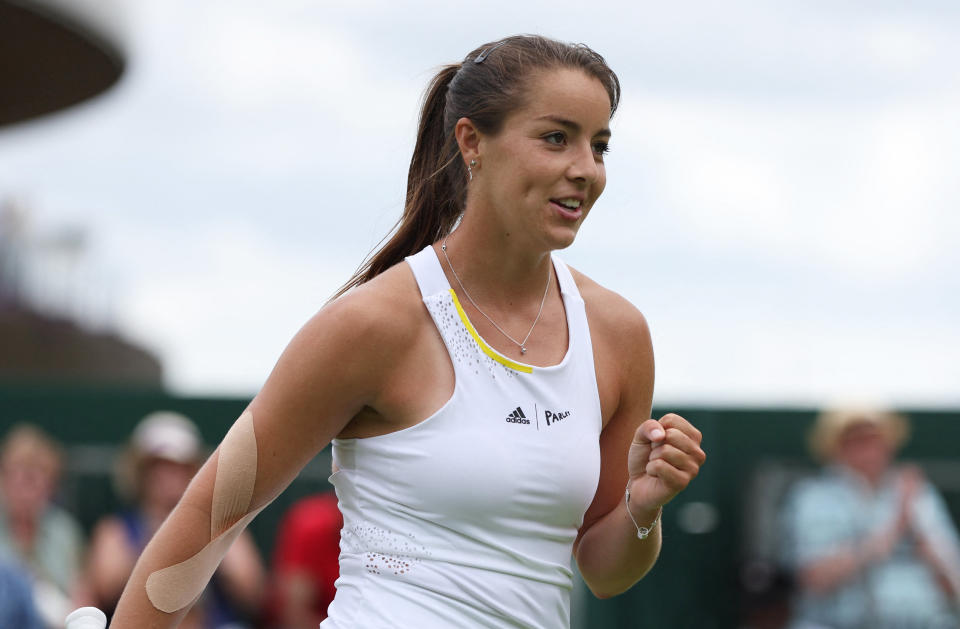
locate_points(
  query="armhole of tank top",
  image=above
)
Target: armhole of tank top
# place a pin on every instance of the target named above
(582, 335)
(431, 282)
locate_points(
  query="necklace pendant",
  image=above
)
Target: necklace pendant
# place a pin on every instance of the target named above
(523, 350)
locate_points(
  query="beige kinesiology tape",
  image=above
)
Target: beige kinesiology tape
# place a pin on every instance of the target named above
(175, 587)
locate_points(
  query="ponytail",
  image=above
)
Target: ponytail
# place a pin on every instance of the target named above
(436, 187)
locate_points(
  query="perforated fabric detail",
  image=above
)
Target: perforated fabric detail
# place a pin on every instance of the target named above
(463, 349)
(384, 551)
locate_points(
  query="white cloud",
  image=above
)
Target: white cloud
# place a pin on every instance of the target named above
(222, 304)
(865, 189)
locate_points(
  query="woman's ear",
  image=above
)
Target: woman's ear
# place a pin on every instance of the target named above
(468, 139)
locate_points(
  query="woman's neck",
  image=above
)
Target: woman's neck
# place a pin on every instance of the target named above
(494, 264)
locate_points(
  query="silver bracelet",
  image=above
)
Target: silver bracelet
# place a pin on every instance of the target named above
(643, 532)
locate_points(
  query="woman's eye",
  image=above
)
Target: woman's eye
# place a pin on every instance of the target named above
(557, 138)
(601, 148)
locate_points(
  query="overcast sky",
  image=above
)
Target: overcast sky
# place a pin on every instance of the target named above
(782, 198)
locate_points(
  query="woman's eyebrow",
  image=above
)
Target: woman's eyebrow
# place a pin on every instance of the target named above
(573, 126)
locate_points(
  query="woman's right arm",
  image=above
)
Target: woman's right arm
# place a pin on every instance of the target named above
(328, 373)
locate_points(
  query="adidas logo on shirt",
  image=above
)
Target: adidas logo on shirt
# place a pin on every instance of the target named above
(517, 417)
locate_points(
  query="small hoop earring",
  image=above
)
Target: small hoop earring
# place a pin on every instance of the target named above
(470, 166)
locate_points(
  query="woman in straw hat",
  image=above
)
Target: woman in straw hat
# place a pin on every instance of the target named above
(871, 543)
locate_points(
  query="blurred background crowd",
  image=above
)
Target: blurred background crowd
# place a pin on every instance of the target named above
(52, 564)
(847, 535)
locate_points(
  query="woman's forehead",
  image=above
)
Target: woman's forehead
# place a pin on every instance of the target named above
(567, 95)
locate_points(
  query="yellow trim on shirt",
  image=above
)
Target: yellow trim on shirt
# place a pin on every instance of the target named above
(489, 351)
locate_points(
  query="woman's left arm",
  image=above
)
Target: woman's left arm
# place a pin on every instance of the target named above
(656, 459)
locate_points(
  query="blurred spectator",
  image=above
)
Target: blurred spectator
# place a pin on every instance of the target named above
(164, 453)
(16, 600)
(871, 544)
(34, 532)
(306, 562)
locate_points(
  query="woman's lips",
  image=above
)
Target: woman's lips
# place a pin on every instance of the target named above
(568, 213)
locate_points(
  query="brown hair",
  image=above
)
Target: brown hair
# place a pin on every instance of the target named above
(485, 87)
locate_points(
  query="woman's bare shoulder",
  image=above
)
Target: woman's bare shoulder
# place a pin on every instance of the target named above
(609, 312)
(373, 323)
(623, 351)
(387, 304)
(355, 341)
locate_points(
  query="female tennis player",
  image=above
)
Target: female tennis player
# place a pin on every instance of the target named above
(488, 406)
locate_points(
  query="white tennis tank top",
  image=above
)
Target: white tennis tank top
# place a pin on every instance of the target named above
(467, 519)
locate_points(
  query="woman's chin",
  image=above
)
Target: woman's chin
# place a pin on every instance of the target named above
(561, 238)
